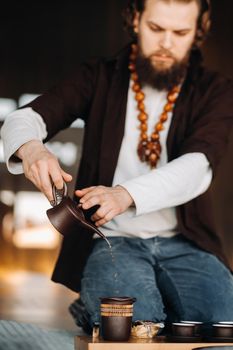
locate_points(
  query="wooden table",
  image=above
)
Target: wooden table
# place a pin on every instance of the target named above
(159, 343)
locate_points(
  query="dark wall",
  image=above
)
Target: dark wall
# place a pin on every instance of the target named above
(219, 48)
(41, 42)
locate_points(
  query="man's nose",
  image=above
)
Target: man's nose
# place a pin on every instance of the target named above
(166, 40)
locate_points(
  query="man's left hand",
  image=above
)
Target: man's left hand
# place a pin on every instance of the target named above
(112, 201)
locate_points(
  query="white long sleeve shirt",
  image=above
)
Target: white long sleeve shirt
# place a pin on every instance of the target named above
(156, 192)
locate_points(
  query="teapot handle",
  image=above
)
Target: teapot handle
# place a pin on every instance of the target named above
(58, 195)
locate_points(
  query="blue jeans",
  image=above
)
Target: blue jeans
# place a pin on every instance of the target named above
(171, 278)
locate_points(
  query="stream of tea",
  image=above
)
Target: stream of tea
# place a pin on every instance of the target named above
(115, 274)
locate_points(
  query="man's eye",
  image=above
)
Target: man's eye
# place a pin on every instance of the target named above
(181, 33)
(156, 30)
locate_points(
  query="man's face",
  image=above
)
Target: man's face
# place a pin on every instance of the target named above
(166, 32)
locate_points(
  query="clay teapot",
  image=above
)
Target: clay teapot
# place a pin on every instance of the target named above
(67, 216)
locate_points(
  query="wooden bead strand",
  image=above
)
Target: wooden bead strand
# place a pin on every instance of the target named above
(149, 148)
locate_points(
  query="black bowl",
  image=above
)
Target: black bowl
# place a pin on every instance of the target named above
(222, 330)
(198, 326)
(182, 329)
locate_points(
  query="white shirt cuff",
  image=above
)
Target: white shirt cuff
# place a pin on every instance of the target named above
(20, 126)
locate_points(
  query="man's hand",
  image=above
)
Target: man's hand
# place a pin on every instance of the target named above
(112, 201)
(42, 167)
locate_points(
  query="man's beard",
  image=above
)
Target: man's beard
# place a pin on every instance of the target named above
(160, 79)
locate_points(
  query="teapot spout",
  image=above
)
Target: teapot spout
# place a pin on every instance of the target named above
(92, 226)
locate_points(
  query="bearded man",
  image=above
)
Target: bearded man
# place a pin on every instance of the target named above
(156, 125)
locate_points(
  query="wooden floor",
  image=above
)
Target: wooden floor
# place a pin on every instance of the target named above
(26, 292)
(33, 298)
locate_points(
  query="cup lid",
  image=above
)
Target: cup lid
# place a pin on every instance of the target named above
(181, 324)
(226, 322)
(192, 322)
(117, 300)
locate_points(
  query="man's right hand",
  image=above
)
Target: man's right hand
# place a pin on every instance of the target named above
(41, 167)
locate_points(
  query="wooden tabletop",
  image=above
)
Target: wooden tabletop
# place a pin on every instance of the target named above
(159, 343)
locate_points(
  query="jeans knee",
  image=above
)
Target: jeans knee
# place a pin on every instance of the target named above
(149, 310)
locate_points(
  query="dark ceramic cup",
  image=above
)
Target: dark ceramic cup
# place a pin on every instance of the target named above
(66, 216)
(183, 329)
(116, 318)
(223, 330)
(198, 326)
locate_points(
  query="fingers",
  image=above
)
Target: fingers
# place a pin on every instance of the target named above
(44, 174)
(67, 177)
(55, 176)
(91, 196)
(84, 191)
(112, 201)
(43, 169)
(103, 215)
(104, 220)
(58, 176)
(45, 182)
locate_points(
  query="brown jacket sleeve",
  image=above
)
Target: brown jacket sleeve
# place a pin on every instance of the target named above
(68, 100)
(209, 129)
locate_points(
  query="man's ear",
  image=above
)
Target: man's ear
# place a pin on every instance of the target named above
(206, 23)
(136, 22)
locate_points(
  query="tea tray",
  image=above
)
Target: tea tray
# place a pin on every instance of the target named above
(159, 343)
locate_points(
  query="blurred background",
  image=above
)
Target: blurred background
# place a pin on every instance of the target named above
(41, 42)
